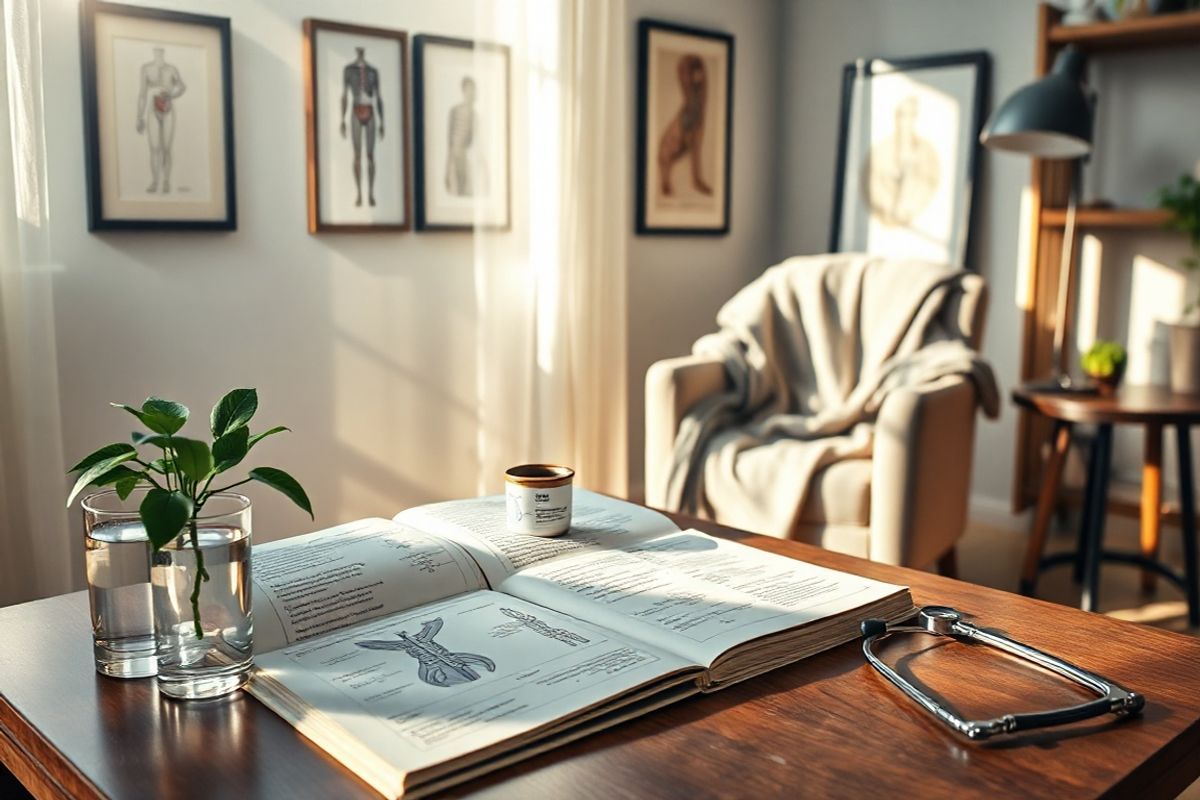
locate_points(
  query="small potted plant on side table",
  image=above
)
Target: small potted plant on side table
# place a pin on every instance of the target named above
(198, 534)
(1104, 363)
(1182, 199)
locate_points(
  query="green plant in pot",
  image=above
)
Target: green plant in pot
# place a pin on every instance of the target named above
(1104, 363)
(1182, 199)
(198, 531)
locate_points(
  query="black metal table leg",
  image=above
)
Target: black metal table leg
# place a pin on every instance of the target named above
(1098, 498)
(1187, 510)
(1085, 512)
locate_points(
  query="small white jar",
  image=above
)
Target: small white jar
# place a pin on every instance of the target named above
(538, 499)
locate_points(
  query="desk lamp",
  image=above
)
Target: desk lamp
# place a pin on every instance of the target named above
(1051, 118)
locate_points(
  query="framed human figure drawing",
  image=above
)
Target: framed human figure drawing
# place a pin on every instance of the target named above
(907, 155)
(158, 119)
(684, 129)
(356, 104)
(461, 119)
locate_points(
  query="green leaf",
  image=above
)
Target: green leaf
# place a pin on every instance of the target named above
(125, 487)
(160, 416)
(93, 472)
(117, 473)
(258, 437)
(193, 457)
(230, 449)
(233, 411)
(162, 465)
(168, 415)
(280, 481)
(164, 514)
(103, 454)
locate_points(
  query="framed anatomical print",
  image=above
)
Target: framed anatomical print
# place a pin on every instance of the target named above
(158, 119)
(356, 82)
(684, 129)
(907, 156)
(460, 115)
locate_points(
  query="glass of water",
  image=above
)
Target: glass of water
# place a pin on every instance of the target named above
(118, 576)
(211, 656)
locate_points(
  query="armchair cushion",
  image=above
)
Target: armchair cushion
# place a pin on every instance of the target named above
(840, 494)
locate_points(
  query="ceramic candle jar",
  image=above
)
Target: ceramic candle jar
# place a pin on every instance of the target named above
(539, 499)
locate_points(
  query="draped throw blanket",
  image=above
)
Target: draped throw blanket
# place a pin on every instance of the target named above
(811, 350)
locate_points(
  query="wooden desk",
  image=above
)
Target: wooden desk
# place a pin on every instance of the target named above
(826, 727)
(1154, 408)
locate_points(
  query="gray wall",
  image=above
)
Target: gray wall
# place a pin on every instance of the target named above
(1146, 135)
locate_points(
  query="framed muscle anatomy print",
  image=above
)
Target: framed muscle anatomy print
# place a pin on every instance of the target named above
(356, 81)
(684, 133)
(158, 119)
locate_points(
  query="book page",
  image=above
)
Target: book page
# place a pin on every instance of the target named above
(319, 582)
(692, 593)
(432, 684)
(479, 526)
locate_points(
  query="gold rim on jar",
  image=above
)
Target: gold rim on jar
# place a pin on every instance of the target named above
(539, 476)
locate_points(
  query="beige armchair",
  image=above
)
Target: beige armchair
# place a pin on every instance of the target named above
(907, 504)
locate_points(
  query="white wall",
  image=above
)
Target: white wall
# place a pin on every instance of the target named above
(362, 344)
(677, 283)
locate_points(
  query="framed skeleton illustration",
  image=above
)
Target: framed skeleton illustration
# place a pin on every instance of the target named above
(356, 103)
(907, 156)
(684, 129)
(158, 119)
(460, 115)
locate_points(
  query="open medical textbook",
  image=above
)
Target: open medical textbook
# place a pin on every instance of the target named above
(427, 649)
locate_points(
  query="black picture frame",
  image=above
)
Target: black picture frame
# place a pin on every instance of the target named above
(642, 225)
(420, 179)
(316, 224)
(97, 219)
(981, 61)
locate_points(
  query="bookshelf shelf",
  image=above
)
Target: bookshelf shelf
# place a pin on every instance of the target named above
(1163, 29)
(1144, 218)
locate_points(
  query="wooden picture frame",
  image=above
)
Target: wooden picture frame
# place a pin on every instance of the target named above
(157, 106)
(356, 92)
(932, 108)
(449, 183)
(684, 95)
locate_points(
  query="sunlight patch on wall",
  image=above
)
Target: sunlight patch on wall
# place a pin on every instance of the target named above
(1023, 291)
(1155, 299)
(1087, 309)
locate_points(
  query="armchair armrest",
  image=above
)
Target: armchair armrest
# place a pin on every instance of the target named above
(672, 387)
(921, 471)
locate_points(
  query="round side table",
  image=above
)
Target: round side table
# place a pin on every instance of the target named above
(1154, 408)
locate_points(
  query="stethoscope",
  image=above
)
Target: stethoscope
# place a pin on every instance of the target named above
(945, 621)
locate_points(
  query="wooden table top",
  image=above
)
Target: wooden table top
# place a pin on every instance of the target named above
(1130, 404)
(829, 726)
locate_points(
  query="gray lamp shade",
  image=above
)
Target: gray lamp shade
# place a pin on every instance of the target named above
(1049, 118)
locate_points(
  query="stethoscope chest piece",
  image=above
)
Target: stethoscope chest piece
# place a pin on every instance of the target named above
(946, 621)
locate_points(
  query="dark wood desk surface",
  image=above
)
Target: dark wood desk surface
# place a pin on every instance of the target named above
(826, 727)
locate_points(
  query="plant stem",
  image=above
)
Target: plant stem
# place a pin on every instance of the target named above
(201, 575)
(208, 494)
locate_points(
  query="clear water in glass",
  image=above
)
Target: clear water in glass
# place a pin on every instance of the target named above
(118, 574)
(220, 661)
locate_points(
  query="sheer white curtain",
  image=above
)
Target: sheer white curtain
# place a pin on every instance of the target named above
(36, 556)
(551, 292)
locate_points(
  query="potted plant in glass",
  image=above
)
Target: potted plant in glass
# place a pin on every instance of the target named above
(1182, 199)
(198, 533)
(1104, 363)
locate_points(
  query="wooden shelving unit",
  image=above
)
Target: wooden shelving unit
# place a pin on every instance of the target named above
(1162, 29)
(1149, 218)
(1049, 188)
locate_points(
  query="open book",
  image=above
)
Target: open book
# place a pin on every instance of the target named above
(428, 649)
